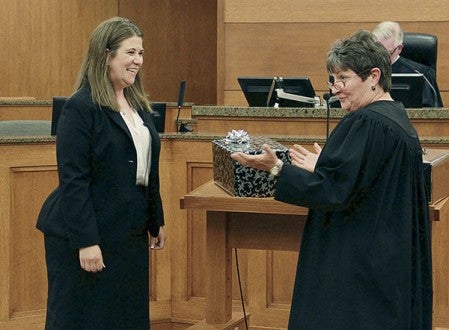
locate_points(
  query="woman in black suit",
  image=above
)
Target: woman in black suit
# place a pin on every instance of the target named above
(96, 222)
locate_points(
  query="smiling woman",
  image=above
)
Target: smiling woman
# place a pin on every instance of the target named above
(361, 76)
(125, 63)
(123, 67)
(98, 221)
(368, 223)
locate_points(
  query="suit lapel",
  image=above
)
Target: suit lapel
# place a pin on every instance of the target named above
(116, 117)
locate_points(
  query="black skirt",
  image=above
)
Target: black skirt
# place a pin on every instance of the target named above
(115, 298)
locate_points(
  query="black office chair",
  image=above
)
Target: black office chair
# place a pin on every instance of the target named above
(421, 48)
(159, 116)
(58, 104)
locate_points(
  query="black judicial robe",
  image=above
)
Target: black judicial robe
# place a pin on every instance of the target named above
(430, 98)
(365, 259)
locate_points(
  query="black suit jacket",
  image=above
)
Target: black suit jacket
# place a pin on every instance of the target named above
(96, 199)
(430, 98)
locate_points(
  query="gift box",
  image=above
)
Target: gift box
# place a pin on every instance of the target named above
(239, 180)
(436, 172)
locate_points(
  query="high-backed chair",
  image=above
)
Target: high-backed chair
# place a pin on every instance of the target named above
(58, 104)
(421, 48)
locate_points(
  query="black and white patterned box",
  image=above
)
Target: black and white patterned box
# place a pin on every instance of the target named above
(239, 180)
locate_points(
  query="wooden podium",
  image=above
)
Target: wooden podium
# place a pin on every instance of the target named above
(238, 222)
(250, 223)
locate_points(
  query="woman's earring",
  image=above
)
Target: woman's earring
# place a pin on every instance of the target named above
(373, 88)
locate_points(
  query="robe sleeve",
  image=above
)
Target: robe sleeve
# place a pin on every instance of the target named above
(345, 171)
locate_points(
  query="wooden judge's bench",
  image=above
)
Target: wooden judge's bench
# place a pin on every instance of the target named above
(193, 280)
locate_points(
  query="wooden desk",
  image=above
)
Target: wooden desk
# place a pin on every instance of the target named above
(239, 222)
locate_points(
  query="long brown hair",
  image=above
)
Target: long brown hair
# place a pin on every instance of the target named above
(107, 38)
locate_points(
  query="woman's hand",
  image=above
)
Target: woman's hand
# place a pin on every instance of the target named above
(158, 243)
(264, 161)
(91, 259)
(303, 158)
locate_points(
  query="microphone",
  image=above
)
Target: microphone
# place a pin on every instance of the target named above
(330, 98)
(183, 128)
(327, 97)
(182, 90)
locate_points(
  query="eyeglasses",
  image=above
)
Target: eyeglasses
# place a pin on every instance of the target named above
(340, 84)
(393, 50)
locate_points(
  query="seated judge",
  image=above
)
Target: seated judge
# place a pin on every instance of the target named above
(365, 259)
(390, 35)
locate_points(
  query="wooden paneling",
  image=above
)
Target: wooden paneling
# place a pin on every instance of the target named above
(43, 43)
(250, 11)
(25, 112)
(180, 44)
(28, 290)
(27, 174)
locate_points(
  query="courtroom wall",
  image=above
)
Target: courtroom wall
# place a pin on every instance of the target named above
(207, 43)
(291, 38)
(43, 43)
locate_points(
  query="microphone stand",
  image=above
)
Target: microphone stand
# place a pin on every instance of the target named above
(276, 87)
(327, 97)
(183, 128)
(293, 97)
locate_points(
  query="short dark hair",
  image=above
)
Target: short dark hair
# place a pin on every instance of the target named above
(360, 52)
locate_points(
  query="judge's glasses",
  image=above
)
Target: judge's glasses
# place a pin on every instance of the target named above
(340, 84)
(394, 49)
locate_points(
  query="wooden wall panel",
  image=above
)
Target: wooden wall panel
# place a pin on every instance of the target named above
(180, 44)
(251, 11)
(28, 290)
(28, 174)
(43, 43)
(25, 112)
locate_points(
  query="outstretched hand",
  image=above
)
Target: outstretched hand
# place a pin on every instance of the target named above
(303, 158)
(264, 161)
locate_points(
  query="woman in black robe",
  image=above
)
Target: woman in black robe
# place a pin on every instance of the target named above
(365, 260)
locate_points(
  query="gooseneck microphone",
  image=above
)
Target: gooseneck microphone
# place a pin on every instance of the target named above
(181, 127)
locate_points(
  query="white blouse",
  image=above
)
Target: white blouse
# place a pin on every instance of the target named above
(142, 142)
